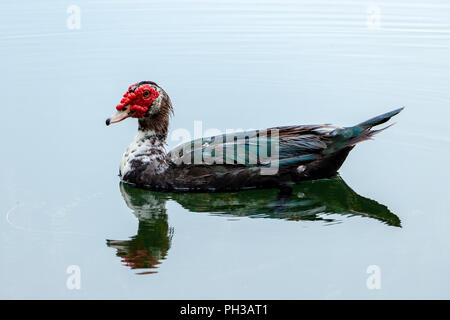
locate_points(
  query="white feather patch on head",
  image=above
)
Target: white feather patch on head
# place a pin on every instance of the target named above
(156, 105)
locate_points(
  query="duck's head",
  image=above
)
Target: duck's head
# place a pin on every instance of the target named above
(147, 102)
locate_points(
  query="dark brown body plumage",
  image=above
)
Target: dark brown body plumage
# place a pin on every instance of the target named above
(232, 177)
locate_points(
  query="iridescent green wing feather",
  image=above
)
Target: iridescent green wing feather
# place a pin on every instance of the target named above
(285, 145)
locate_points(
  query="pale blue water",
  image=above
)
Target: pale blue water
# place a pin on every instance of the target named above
(231, 64)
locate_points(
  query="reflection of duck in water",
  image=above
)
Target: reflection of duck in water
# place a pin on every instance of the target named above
(309, 200)
(152, 242)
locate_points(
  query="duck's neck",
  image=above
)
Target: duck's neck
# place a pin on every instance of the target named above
(146, 155)
(158, 124)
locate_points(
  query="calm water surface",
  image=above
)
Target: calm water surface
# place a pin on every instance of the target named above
(232, 65)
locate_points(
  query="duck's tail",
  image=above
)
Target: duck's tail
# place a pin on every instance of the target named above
(378, 120)
(349, 136)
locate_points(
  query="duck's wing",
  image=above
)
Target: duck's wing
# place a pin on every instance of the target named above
(283, 146)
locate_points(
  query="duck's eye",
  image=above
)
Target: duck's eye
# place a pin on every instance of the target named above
(146, 94)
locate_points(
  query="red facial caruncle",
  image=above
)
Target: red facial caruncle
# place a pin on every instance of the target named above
(135, 103)
(138, 101)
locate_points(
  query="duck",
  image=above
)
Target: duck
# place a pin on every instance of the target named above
(277, 157)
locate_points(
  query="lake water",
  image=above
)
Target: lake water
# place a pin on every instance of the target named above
(231, 65)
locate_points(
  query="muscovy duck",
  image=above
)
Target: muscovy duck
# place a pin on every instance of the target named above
(274, 157)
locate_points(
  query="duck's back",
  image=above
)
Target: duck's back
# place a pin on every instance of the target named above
(266, 158)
